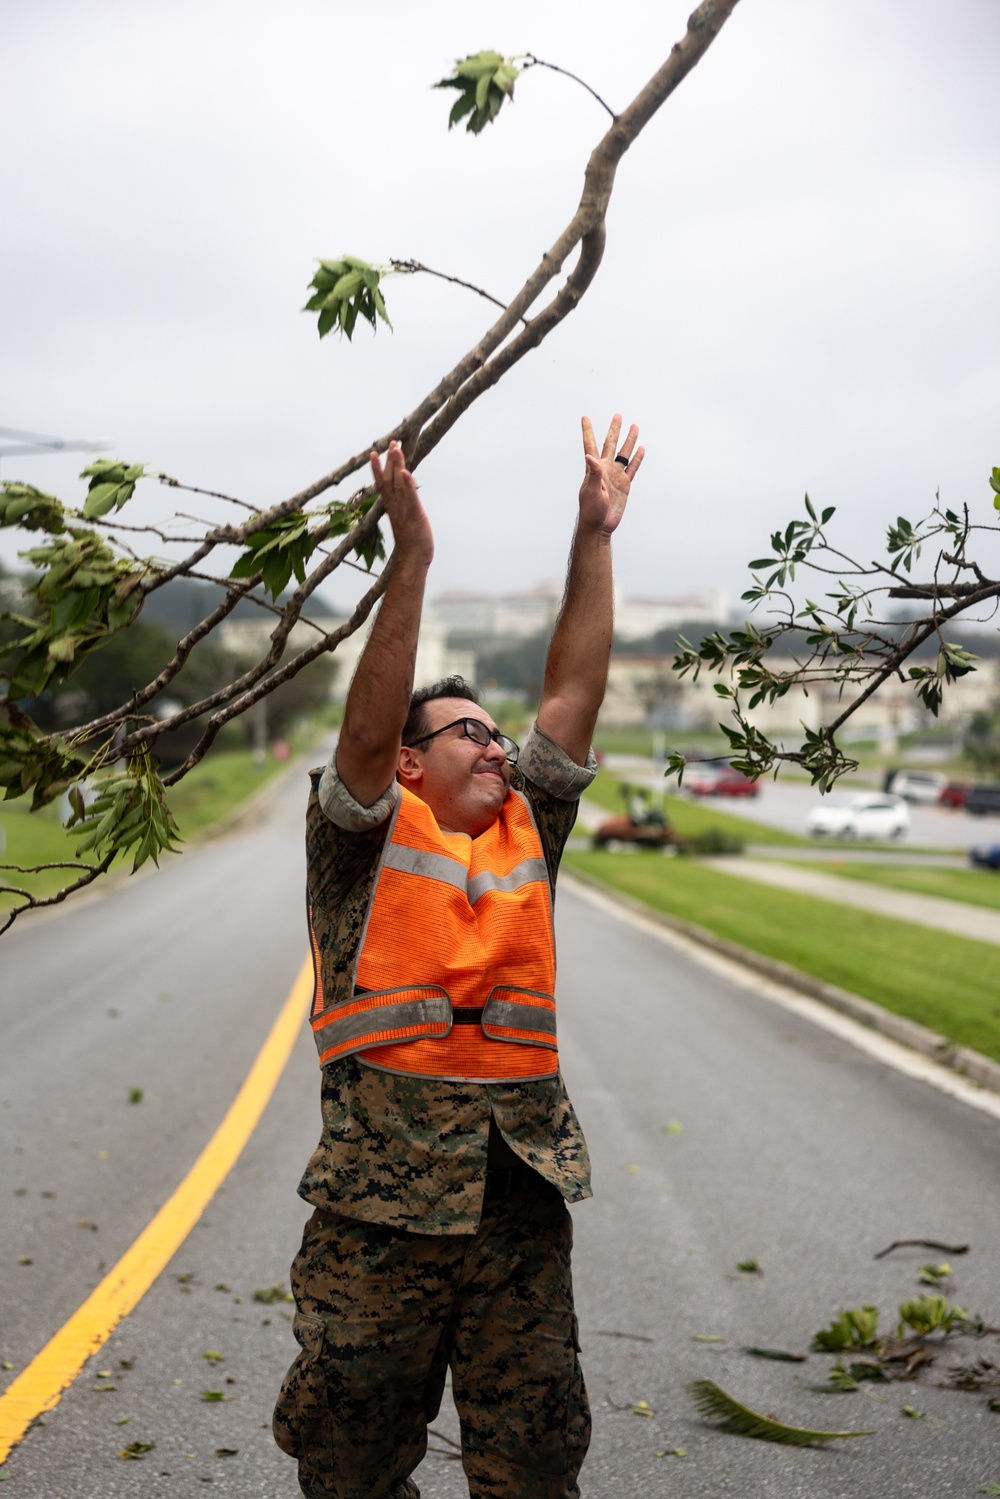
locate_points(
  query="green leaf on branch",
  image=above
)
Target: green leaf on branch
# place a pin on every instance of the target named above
(85, 592)
(995, 486)
(276, 552)
(32, 761)
(343, 291)
(483, 80)
(129, 812)
(112, 484)
(34, 510)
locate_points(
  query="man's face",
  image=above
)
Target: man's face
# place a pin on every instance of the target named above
(464, 783)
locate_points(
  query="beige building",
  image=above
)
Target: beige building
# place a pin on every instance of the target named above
(645, 690)
(434, 660)
(534, 611)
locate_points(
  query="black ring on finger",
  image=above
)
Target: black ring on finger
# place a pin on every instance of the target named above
(620, 458)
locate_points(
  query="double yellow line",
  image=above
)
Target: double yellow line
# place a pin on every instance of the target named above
(39, 1387)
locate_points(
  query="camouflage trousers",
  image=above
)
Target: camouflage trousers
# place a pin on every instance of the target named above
(381, 1315)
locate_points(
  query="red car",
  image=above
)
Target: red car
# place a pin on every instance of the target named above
(710, 778)
(953, 795)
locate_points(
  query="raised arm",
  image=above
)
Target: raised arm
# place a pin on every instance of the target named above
(379, 695)
(576, 669)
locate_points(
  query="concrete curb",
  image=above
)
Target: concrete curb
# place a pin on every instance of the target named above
(970, 1064)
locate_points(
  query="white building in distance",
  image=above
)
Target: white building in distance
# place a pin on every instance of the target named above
(491, 616)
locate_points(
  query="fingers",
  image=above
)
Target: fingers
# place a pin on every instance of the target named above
(611, 441)
(607, 452)
(635, 462)
(629, 443)
(589, 440)
(388, 479)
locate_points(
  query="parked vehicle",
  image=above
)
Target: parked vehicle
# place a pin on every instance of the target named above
(982, 800)
(918, 785)
(717, 778)
(954, 794)
(985, 856)
(868, 815)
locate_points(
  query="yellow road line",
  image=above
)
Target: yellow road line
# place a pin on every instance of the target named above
(39, 1387)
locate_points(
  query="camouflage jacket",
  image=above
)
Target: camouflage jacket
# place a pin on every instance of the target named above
(410, 1152)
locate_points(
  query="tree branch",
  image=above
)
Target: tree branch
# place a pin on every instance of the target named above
(413, 266)
(536, 62)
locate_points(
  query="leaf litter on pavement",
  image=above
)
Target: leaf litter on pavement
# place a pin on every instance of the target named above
(925, 1324)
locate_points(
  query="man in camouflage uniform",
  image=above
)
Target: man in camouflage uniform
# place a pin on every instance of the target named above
(440, 1237)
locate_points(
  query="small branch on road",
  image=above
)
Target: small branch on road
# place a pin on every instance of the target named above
(922, 1244)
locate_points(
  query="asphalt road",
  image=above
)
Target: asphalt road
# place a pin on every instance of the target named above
(793, 1148)
(786, 804)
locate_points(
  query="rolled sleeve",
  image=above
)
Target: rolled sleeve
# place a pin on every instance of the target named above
(345, 811)
(546, 765)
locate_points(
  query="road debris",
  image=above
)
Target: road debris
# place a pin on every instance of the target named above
(270, 1294)
(854, 1328)
(136, 1451)
(922, 1244)
(715, 1404)
(778, 1354)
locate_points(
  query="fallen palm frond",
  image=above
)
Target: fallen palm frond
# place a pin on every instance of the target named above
(715, 1404)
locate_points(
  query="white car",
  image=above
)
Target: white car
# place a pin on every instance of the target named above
(918, 785)
(868, 815)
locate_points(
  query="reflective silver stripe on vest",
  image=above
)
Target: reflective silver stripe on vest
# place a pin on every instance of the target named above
(434, 1010)
(431, 866)
(520, 1017)
(528, 872)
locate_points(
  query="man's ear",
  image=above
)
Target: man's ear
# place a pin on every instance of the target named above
(408, 770)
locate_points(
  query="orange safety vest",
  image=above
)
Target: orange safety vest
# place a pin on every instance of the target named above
(457, 957)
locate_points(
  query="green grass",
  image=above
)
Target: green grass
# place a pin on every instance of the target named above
(209, 793)
(216, 787)
(690, 818)
(977, 887)
(635, 739)
(951, 984)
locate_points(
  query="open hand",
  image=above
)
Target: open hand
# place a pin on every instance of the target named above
(411, 530)
(605, 487)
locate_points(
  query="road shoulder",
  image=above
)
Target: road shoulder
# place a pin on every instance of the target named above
(943, 1055)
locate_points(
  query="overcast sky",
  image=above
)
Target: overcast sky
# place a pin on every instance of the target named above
(800, 289)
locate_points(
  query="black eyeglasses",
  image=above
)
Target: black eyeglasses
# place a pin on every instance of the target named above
(479, 733)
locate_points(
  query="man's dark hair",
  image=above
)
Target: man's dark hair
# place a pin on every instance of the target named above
(416, 719)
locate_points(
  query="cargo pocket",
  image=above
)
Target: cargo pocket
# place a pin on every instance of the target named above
(301, 1421)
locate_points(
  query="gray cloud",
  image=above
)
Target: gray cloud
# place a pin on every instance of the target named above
(799, 290)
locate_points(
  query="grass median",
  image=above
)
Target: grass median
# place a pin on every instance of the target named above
(690, 818)
(206, 796)
(951, 984)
